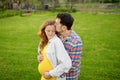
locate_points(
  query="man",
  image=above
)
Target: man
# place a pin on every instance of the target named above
(72, 43)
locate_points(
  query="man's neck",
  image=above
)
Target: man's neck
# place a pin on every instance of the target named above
(65, 34)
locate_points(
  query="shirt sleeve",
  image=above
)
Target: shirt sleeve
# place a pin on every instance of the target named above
(64, 61)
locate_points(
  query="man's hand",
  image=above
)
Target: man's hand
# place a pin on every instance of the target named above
(40, 57)
(46, 75)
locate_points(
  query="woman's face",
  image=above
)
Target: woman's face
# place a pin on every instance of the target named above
(50, 31)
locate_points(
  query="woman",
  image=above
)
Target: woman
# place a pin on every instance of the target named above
(55, 60)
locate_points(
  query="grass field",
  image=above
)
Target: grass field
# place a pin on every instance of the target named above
(100, 34)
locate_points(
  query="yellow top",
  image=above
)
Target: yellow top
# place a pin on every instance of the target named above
(45, 64)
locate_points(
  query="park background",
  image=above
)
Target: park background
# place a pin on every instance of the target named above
(96, 22)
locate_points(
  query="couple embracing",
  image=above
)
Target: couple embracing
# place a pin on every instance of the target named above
(59, 50)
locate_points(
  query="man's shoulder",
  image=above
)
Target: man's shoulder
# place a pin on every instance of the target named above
(74, 39)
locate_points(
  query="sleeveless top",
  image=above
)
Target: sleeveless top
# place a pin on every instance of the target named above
(45, 64)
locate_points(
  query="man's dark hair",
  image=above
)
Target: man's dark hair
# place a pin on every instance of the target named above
(66, 19)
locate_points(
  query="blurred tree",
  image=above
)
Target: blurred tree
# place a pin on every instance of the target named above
(70, 4)
(26, 2)
(111, 1)
(3, 4)
(49, 3)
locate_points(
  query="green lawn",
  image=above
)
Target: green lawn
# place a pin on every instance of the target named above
(99, 32)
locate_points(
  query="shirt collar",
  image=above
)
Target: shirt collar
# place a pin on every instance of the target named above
(52, 38)
(69, 36)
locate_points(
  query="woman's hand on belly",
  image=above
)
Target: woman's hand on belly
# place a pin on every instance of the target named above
(46, 75)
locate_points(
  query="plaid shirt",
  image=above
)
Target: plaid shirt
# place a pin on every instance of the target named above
(73, 45)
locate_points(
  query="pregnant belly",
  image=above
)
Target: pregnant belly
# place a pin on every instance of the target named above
(44, 66)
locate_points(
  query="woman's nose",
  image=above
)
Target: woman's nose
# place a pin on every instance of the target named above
(50, 33)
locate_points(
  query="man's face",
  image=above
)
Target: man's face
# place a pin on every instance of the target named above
(58, 25)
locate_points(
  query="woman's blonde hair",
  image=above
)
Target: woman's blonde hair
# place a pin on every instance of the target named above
(42, 34)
